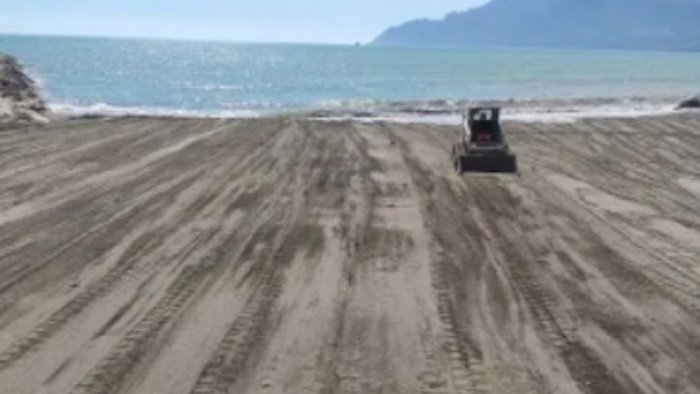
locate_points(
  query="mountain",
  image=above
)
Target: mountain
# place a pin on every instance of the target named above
(622, 24)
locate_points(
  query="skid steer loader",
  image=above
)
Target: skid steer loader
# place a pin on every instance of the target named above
(483, 147)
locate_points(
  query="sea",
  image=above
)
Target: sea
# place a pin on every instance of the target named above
(115, 76)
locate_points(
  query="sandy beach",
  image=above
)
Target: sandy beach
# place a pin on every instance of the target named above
(285, 255)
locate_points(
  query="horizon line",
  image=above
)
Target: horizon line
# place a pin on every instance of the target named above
(180, 39)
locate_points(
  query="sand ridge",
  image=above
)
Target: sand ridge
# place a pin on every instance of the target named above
(286, 255)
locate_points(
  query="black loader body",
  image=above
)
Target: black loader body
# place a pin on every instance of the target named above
(483, 147)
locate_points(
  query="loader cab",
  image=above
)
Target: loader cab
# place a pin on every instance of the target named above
(484, 126)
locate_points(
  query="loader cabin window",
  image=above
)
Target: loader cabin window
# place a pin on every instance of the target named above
(483, 125)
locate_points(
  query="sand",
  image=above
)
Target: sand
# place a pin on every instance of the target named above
(284, 255)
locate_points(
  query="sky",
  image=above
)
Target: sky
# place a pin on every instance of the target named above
(319, 21)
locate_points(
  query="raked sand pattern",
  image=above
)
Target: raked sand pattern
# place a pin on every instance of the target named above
(283, 255)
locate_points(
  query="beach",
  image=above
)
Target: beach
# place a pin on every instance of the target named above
(291, 255)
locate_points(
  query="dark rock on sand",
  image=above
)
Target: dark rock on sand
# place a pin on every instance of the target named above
(20, 100)
(693, 102)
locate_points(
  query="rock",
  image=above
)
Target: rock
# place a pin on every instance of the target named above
(20, 100)
(691, 103)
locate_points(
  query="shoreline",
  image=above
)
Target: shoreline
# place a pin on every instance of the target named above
(444, 112)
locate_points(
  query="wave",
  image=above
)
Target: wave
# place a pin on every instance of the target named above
(528, 110)
(418, 111)
(103, 109)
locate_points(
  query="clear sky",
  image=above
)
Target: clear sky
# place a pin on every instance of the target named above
(333, 21)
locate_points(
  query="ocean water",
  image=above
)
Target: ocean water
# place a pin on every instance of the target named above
(97, 75)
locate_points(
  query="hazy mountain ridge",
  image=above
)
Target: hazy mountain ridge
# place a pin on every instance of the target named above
(634, 24)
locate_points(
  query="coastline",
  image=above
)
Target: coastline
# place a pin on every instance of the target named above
(131, 77)
(426, 111)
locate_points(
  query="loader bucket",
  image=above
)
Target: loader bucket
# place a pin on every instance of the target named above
(506, 163)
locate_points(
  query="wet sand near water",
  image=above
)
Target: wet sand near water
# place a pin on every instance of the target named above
(285, 255)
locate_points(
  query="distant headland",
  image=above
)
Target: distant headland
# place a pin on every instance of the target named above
(607, 24)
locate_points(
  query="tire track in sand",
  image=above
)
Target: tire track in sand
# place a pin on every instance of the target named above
(111, 372)
(557, 329)
(465, 357)
(483, 196)
(279, 244)
(152, 202)
(82, 300)
(134, 254)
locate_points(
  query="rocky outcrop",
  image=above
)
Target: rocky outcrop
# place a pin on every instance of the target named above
(690, 103)
(20, 100)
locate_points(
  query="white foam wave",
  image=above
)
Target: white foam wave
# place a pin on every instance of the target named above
(431, 112)
(103, 109)
(573, 114)
(528, 112)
